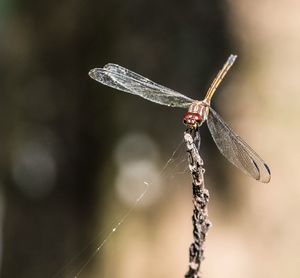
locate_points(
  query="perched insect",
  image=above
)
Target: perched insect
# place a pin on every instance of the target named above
(233, 147)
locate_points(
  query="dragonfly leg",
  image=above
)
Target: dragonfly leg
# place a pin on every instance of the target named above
(197, 138)
(195, 133)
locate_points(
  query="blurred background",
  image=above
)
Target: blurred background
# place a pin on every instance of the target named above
(74, 155)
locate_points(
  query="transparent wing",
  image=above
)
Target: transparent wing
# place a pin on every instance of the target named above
(236, 150)
(127, 81)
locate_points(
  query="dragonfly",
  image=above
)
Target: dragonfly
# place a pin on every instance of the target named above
(231, 145)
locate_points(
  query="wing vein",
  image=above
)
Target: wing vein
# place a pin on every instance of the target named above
(235, 149)
(127, 81)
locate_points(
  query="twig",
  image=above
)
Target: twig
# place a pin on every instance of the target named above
(200, 220)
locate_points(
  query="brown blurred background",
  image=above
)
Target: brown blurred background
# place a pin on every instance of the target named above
(74, 154)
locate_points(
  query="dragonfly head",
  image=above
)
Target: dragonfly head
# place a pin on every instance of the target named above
(192, 120)
(196, 115)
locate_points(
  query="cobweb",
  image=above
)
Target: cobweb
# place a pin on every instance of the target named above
(175, 166)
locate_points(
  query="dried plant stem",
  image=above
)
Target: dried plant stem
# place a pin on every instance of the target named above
(200, 220)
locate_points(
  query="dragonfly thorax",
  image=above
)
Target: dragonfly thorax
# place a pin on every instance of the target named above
(196, 115)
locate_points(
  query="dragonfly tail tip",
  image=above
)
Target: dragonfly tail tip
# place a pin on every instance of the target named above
(232, 59)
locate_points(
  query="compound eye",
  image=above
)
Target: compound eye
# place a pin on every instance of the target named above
(198, 118)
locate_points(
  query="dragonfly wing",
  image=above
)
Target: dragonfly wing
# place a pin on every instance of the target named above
(236, 150)
(127, 81)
